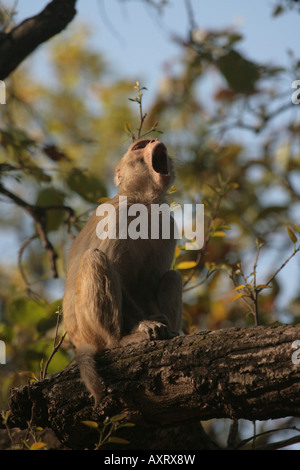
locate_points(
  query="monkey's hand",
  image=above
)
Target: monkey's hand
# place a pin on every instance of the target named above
(148, 330)
(154, 330)
(151, 330)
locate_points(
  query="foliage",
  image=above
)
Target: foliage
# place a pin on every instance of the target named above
(236, 151)
(107, 430)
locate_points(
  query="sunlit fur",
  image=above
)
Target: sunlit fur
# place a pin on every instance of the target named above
(122, 290)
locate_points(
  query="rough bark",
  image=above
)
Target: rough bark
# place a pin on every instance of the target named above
(22, 40)
(167, 387)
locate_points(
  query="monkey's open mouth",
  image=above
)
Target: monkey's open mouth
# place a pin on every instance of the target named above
(160, 159)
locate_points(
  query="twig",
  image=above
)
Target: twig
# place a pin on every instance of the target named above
(55, 346)
(264, 433)
(296, 250)
(29, 291)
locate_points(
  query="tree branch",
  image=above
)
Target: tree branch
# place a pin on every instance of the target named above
(232, 373)
(38, 213)
(22, 40)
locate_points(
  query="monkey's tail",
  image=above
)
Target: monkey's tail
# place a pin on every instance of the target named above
(85, 359)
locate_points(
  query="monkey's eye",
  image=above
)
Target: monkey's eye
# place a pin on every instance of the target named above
(140, 145)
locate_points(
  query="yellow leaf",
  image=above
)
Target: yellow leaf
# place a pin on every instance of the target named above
(263, 286)
(90, 424)
(175, 206)
(186, 265)
(127, 127)
(219, 234)
(173, 189)
(103, 199)
(118, 440)
(297, 228)
(233, 186)
(38, 445)
(239, 287)
(218, 311)
(291, 235)
(237, 296)
(177, 252)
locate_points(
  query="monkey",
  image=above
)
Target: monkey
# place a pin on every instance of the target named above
(122, 290)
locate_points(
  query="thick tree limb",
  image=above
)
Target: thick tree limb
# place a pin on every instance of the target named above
(16, 45)
(166, 387)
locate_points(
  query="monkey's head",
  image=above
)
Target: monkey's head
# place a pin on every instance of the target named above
(145, 168)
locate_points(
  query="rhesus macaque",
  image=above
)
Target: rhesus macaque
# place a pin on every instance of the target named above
(121, 290)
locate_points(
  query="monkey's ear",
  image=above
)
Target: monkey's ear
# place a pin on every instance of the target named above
(118, 177)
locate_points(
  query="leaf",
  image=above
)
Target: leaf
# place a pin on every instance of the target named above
(29, 375)
(86, 185)
(186, 265)
(126, 425)
(24, 312)
(237, 296)
(38, 445)
(118, 440)
(233, 186)
(173, 189)
(127, 127)
(52, 197)
(117, 418)
(239, 287)
(91, 424)
(177, 252)
(219, 234)
(102, 200)
(291, 235)
(297, 228)
(175, 206)
(263, 286)
(55, 153)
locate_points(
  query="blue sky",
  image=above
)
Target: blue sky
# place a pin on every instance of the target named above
(136, 41)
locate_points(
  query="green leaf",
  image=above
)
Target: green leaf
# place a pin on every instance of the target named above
(117, 418)
(52, 197)
(24, 312)
(49, 319)
(86, 185)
